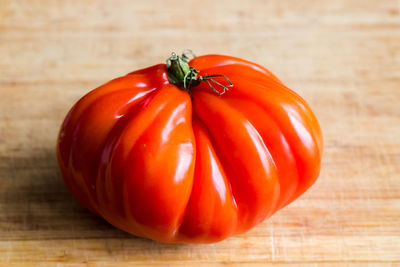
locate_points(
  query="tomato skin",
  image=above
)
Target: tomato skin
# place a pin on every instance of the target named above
(177, 168)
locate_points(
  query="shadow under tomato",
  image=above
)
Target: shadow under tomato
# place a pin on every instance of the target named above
(36, 205)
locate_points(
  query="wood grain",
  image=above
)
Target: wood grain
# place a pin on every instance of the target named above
(342, 56)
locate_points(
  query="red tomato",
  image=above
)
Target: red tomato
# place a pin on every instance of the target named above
(160, 163)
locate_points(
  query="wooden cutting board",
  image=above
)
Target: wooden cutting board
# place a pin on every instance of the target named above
(342, 56)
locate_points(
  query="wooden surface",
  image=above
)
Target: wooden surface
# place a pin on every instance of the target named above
(342, 56)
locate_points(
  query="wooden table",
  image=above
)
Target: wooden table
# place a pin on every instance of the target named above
(342, 56)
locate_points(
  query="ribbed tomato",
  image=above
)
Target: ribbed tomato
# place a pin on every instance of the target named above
(189, 165)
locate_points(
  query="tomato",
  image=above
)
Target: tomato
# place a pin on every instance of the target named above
(192, 159)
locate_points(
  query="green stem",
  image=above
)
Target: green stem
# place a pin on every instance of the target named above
(185, 77)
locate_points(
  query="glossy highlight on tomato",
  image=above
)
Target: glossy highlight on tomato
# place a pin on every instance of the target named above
(190, 166)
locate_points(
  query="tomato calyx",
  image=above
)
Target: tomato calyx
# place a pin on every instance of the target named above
(185, 77)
